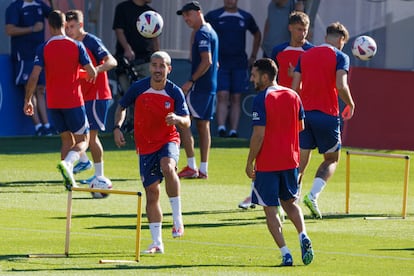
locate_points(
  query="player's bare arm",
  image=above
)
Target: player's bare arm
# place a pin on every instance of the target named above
(180, 121)
(256, 142)
(120, 114)
(296, 81)
(30, 89)
(206, 62)
(345, 94)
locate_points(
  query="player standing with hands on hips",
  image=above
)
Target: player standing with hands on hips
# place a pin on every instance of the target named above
(277, 118)
(200, 89)
(159, 107)
(323, 72)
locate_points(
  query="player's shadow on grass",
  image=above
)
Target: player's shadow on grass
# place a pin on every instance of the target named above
(49, 182)
(138, 266)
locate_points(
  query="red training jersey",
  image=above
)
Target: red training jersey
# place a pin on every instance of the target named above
(318, 67)
(61, 57)
(280, 110)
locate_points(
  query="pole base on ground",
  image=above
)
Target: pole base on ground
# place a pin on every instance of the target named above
(48, 255)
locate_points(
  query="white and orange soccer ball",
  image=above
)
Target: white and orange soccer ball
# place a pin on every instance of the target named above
(364, 47)
(100, 182)
(150, 24)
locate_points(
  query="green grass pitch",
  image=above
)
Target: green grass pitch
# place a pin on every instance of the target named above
(220, 239)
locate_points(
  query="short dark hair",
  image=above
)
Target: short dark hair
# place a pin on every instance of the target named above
(266, 66)
(56, 19)
(76, 15)
(299, 17)
(336, 29)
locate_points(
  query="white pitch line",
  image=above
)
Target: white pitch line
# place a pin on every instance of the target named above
(211, 244)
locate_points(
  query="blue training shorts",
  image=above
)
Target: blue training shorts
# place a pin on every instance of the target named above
(321, 131)
(201, 105)
(149, 164)
(233, 80)
(23, 69)
(97, 111)
(268, 187)
(70, 119)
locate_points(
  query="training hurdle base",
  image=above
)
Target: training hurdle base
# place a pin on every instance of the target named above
(374, 154)
(69, 223)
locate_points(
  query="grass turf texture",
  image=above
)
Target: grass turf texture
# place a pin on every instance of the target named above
(219, 237)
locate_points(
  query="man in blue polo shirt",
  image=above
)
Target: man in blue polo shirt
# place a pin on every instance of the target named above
(231, 25)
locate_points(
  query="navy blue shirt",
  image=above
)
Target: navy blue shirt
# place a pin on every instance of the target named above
(231, 29)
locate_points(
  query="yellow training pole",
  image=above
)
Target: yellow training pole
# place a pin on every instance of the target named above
(68, 222)
(138, 230)
(347, 189)
(405, 195)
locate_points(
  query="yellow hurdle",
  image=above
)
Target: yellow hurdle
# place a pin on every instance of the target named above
(375, 154)
(69, 222)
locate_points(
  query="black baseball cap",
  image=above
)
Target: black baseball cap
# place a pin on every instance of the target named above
(191, 6)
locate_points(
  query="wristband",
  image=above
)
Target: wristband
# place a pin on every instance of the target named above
(116, 127)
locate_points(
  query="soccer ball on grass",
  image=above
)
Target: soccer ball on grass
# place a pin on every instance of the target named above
(364, 47)
(149, 24)
(100, 182)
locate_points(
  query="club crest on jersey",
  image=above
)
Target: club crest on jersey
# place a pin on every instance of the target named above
(167, 105)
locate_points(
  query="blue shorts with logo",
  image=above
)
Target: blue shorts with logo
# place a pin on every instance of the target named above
(269, 187)
(233, 80)
(70, 119)
(23, 69)
(321, 131)
(201, 105)
(149, 164)
(97, 111)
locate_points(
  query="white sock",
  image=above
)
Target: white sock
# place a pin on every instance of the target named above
(204, 167)
(37, 126)
(232, 131)
(192, 163)
(83, 157)
(99, 169)
(317, 187)
(176, 211)
(284, 250)
(222, 127)
(47, 125)
(156, 233)
(72, 157)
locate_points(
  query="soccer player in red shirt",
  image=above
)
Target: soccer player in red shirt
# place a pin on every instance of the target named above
(61, 57)
(277, 120)
(160, 106)
(286, 55)
(323, 72)
(96, 95)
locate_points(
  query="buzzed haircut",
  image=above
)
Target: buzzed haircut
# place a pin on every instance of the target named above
(76, 15)
(163, 55)
(336, 29)
(266, 66)
(299, 17)
(56, 19)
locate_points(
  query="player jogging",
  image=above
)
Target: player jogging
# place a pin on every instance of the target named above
(277, 118)
(96, 94)
(62, 57)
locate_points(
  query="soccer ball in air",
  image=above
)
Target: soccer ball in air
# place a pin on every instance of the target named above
(100, 182)
(364, 47)
(149, 24)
